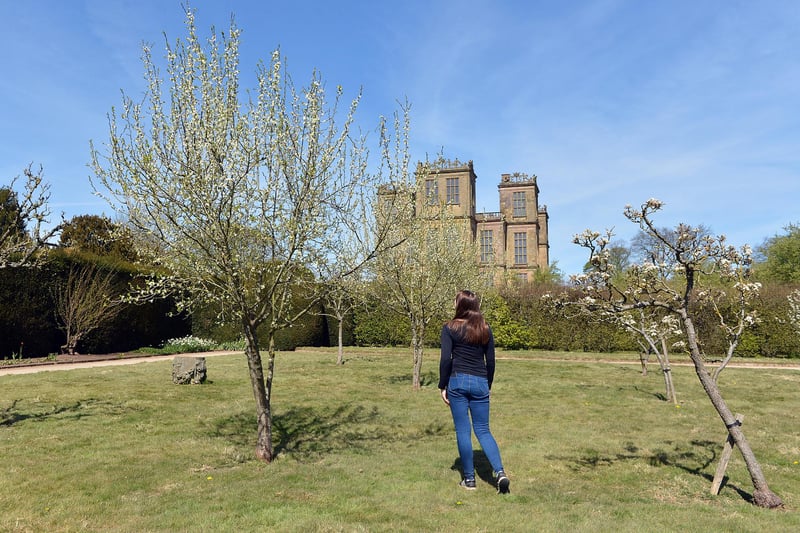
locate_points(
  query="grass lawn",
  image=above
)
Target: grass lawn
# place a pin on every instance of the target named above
(588, 447)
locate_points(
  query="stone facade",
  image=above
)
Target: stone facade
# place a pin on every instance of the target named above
(513, 239)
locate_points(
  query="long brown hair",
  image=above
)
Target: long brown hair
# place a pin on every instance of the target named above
(469, 319)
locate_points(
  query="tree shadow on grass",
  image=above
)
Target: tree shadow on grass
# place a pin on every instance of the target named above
(678, 460)
(649, 394)
(307, 433)
(13, 415)
(693, 458)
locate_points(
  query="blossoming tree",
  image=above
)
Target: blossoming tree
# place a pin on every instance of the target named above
(672, 284)
(241, 203)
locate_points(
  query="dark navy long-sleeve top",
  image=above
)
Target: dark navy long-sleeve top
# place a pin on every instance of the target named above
(459, 356)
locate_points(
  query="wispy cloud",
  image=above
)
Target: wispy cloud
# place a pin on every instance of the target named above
(609, 102)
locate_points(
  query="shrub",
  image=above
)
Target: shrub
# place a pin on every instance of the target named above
(310, 330)
(189, 344)
(377, 326)
(508, 333)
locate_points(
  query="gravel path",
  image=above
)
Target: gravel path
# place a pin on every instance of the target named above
(95, 361)
(116, 361)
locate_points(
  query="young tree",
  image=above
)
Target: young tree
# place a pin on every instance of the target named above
(342, 296)
(237, 201)
(653, 330)
(19, 244)
(420, 277)
(739, 298)
(671, 284)
(650, 327)
(86, 300)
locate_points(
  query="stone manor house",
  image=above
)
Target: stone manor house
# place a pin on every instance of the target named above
(513, 239)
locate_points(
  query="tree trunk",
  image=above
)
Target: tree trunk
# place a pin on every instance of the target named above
(340, 355)
(762, 496)
(261, 391)
(270, 375)
(662, 356)
(643, 356)
(417, 338)
(667, 369)
(671, 395)
(71, 348)
(732, 344)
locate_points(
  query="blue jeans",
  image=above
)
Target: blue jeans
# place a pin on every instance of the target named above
(469, 396)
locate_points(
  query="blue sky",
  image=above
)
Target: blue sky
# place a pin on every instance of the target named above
(608, 102)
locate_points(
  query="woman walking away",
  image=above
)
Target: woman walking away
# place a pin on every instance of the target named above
(466, 371)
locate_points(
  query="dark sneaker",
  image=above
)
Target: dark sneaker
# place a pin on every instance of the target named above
(468, 484)
(503, 483)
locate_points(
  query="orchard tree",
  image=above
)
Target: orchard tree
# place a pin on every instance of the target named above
(19, 242)
(739, 299)
(653, 331)
(685, 260)
(619, 256)
(646, 248)
(234, 199)
(435, 259)
(651, 328)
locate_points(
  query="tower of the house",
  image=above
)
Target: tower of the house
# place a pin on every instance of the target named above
(525, 224)
(451, 183)
(514, 239)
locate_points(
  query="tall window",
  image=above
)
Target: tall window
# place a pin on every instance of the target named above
(520, 248)
(432, 191)
(519, 204)
(487, 250)
(452, 191)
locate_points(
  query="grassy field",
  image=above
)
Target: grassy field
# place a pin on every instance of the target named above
(588, 447)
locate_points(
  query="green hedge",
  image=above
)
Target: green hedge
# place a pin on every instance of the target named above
(772, 336)
(28, 319)
(310, 330)
(376, 325)
(552, 329)
(523, 318)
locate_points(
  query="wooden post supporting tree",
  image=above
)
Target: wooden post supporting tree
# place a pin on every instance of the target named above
(727, 451)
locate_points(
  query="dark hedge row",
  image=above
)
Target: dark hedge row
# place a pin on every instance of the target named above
(28, 323)
(518, 320)
(29, 327)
